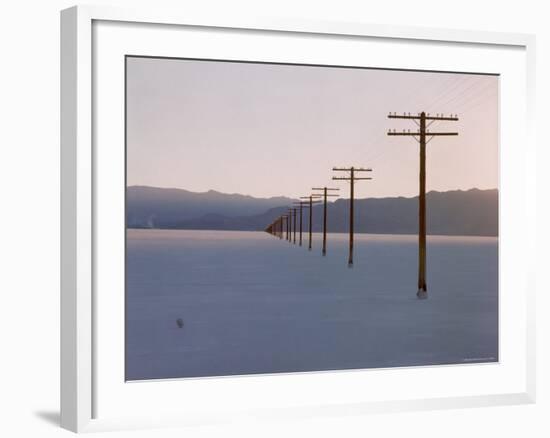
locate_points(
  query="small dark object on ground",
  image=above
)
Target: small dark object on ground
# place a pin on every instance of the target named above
(179, 321)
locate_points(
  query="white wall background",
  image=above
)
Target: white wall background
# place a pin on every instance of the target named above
(29, 216)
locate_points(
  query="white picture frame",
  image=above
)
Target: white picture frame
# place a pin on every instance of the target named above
(79, 169)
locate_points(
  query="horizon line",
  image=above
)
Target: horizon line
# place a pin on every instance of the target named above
(492, 236)
(295, 198)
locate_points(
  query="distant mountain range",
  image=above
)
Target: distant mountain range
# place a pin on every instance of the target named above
(469, 213)
(170, 208)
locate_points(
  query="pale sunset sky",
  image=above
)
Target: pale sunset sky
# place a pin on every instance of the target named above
(277, 130)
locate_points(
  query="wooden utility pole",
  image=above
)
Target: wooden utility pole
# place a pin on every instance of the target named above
(325, 196)
(420, 137)
(301, 208)
(273, 228)
(290, 225)
(287, 227)
(352, 179)
(294, 225)
(311, 203)
(280, 227)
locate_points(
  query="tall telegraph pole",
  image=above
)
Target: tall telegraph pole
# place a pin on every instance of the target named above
(290, 214)
(352, 179)
(294, 224)
(420, 137)
(287, 226)
(311, 203)
(280, 227)
(301, 205)
(325, 196)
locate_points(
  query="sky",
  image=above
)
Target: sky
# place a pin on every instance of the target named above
(277, 130)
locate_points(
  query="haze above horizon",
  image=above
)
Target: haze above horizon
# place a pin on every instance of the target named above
(263, 130)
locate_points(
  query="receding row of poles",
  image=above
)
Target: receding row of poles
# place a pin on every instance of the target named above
(287, 222)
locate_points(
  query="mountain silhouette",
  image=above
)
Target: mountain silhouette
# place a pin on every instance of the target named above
(165, 208)
(471, 212)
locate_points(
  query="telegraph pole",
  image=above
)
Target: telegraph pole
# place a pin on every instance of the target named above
(280, 227)
(301, 204)
(352, 179)
(301, 220)
(420, 136)
(287, 227)
(294, 218)
(325, 196)
(311, 203)
(290, 225)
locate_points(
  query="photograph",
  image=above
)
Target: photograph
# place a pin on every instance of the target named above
(291, 218)
(265, 220)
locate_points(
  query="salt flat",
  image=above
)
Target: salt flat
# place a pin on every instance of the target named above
(251, 303)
